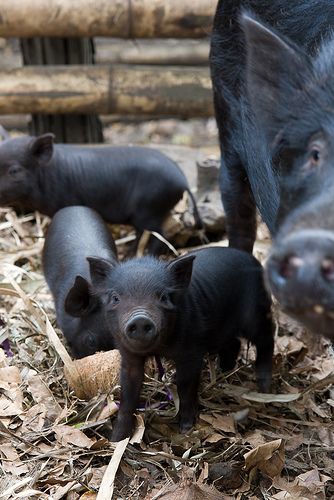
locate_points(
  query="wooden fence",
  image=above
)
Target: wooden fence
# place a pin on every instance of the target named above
(51, 91)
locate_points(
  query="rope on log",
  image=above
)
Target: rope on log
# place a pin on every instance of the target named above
(117, 18)
(169, 90)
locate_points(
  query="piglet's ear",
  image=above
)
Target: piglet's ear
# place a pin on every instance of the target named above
(182, 269)
(78, 299)
(100, 270)
(41, 148)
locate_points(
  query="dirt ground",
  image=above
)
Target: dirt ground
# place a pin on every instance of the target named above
(245, 445)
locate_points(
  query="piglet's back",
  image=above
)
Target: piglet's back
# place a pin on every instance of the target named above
(227, 282)
(75, 233)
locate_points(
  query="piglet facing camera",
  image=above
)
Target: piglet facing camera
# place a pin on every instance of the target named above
(74, 234)
(199, 303)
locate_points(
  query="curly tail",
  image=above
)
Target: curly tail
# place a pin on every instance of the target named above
(198, 221)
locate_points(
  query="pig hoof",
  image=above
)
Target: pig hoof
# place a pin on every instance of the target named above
(185, 427)
(118, 435)
(264, 386)
(119, 432)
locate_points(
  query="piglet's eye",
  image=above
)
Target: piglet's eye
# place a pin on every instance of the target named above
(315, 155)
(164, 298)
(114, 299)
(13, 170)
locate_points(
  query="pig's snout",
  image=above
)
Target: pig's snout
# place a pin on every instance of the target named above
(140, 326)
(300, 273)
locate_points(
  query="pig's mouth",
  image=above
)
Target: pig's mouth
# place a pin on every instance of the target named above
(300, 274)
(140, 346)
(140, 332)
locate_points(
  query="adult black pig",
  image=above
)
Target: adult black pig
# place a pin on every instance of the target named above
(273, 80)
(125, 185)
(74, 234)
(198, 303)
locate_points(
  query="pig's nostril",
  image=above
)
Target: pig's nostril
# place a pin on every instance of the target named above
(148, 328)
(289, 265)
(140, 326)
(132, 328)
(327, 269)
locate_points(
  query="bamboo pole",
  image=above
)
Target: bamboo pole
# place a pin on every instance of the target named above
(122, 89)
(118, 18)
(161, 52)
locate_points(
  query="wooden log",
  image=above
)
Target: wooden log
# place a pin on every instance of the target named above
(161, 52)
(118, 18)
(169, 90)
(51, 51)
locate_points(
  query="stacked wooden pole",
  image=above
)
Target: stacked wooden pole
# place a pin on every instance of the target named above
(117, 18)
(182, 91)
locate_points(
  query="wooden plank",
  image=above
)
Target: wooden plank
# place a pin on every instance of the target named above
(122, 89)
(117, 18)
(161, 52)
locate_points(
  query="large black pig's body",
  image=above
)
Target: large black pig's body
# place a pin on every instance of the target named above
(74, 234)
(272, 67)
(248, 170)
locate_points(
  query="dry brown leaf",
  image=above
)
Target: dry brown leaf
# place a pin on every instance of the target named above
(11, 402)
(255, 438)
(97, 474)
(309, 403)
(214, 438)
(42, 394)
(313, 481)
(3, 358)
(294, 442)
(107, 485)
(31, 493)
(224, 423)
(108, 410)
(268, 458)
(270, 398)
(11, 464)
(14, 488)
(309, 485)
(8, 451)
(139, 430)
(60, 491)
(289, 345)
(14, 468)
(326, 436)
(11, 397)
(188, 490)
(10, 375)
(34, 419)
(69, 435)
(323, 368)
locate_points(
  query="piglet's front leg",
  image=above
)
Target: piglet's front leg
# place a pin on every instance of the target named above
(188, 372)
(132, 374)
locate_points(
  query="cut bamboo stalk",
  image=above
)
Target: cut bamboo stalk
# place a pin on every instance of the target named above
(169, 90)
(117, 18)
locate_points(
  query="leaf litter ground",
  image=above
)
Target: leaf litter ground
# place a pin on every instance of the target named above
(244, 446)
